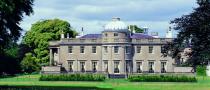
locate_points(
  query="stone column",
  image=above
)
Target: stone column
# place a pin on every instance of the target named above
(122, 61)
(51, 57)
(58, 55)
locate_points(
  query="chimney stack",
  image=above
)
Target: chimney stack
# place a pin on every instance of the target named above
(169, 33)
(145, 30)
(82, 33)
(62, 35)
(67, 35)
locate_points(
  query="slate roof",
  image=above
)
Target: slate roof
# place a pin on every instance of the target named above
(140, 36)
(135, 36)
(91, 36)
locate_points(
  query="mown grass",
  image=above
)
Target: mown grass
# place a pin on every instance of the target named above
(115, 84)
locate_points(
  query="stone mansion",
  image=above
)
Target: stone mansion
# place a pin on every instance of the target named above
(117, 50)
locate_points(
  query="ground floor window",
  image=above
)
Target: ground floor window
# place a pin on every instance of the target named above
(70, 66)
(163, 67)
(116, 67)
(94, 65)
(128, 66)
(151, 67)
(82, 66)
(139, 67)
(106, 66)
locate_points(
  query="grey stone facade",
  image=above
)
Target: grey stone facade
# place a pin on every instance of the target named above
(115, 51)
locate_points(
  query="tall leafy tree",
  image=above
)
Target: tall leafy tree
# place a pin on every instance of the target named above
(194, 32)
(11, 13)
(136, 29)
(38, 37)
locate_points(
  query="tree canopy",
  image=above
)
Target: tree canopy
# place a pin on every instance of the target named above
(193, 32)
(38, 37)
(136, 29)
(11, 13)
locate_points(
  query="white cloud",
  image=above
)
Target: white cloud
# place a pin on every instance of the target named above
(93, 14)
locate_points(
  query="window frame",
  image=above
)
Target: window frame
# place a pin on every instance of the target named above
(94, 49)
(106, 49)
(116, 66)
(139, 66)
(82, 66)
(82, 49)
(94, 66)
(70, 49)
(127, 49)
(138, 49)
(70, 66)
(116, 49)
(151, 64)
(163, 65)
(116, 34)
(151, 49)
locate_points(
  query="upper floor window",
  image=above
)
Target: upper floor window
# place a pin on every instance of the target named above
(162, 49)
(150, 49)
(105, 34)
(93, 49)
(138, 49)
(70, 49)
(115, 34)
(127, 49)
(116, 49)
(82, 49)
(126, 34)
(105, 49)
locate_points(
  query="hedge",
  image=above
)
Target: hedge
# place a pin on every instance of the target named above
(72, 77)
(161, 78)
(201, 70)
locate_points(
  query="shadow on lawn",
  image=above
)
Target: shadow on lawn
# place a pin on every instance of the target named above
(50, 88)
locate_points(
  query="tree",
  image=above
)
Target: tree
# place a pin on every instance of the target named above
(136, 29)
(29, 63)
(11, 13)
(194, 32)
(10, 63)
(38, 37)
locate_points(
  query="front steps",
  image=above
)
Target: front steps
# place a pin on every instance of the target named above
(117, 76)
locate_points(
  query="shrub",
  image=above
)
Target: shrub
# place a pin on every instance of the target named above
(160, 78)
(72, 77)
(201, 70)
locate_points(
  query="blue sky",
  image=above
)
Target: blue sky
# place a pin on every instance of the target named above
(94, 14)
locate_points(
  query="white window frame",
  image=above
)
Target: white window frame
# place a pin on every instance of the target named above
(83, 49)
(70, 47)
(117, 49)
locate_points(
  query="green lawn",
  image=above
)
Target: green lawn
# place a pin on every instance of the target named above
(116, 84)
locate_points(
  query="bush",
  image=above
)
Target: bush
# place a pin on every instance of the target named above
(201, 70)
(160, 78)
(29, 64)
(72, 77)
